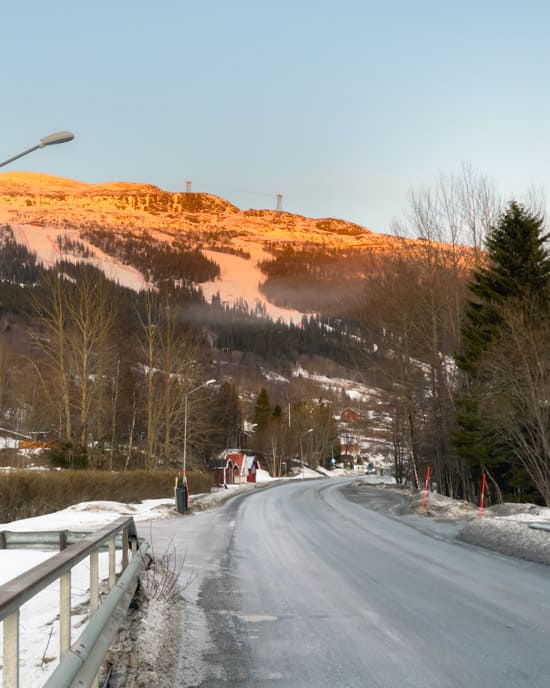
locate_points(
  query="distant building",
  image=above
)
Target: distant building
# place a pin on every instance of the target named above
(234, 467)
(351, 415)
(223, 470)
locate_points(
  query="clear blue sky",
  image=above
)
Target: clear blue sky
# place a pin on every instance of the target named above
(342, 107)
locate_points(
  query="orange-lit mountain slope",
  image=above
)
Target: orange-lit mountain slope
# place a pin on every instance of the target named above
(36, 198)
(41, 208)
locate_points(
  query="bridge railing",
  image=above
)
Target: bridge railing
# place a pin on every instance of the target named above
(80, 663)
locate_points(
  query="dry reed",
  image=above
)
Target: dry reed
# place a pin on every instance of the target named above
(25, 493)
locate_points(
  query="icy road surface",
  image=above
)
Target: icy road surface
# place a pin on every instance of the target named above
(298, 585)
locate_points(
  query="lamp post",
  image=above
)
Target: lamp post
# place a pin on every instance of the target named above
(185, 413)
(52, 139)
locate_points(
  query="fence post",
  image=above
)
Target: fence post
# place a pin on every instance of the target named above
(125, 548)
(63, 539)
(64, 613)
(10, 667)
(112, 563)
(94, 581)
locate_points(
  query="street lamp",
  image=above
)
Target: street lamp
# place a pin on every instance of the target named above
(52, 139)
(185, 409)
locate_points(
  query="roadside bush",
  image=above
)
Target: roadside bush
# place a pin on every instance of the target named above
(26, 493)
(65, 455)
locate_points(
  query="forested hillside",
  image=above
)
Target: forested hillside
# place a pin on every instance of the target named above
(449, 331)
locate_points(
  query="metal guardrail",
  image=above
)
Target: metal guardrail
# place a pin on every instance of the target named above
(79, 665)
(45, 539)
(540, 525)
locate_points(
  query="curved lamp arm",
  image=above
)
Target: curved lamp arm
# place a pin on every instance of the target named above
(52, 139)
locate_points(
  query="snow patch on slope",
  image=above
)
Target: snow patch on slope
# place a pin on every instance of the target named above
(240, 280)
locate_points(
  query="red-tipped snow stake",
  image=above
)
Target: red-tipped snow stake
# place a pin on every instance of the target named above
(426, 484)
(482, 498)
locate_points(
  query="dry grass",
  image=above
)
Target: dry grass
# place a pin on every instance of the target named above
(33, 493)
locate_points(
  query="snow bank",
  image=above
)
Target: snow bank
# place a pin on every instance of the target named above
(508, 537)
(504, 528)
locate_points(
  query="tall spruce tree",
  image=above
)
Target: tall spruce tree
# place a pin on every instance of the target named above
(516, 270)
(262, 411)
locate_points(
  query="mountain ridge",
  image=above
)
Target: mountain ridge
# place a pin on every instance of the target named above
(28, 197)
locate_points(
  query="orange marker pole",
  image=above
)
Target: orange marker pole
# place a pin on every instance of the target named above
(482, 498)
(426, 484)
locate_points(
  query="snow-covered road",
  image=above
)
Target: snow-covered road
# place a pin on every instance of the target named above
(297, 585)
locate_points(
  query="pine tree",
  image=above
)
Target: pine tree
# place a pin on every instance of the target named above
(262, 411)
(516, 271)
(517, 267)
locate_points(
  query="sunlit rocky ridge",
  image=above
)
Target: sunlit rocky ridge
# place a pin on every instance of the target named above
(54, 201)
(48, 213)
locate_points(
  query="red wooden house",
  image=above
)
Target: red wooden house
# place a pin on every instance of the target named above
(245, 467)
(223, 469)
(234, 468)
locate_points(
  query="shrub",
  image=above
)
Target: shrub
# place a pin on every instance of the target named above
(33, 493)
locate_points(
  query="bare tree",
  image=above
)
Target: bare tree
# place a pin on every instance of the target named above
(55, 375)
(76, 316)
(458, 210)
(518, 397)
(425, 290)
(171, 366)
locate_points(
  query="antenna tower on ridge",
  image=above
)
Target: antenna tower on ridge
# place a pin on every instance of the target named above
(187, 186)
(279, 202)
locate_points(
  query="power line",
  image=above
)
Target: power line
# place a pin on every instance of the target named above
(228, 188)
(278, 197)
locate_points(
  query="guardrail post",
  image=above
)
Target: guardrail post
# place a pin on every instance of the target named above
(94, 581)
(63, 539)
(25, 586)
(112, 562)
(124, 548)
(64, 613)
(10, 668)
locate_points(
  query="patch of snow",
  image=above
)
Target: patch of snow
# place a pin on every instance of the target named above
(355, 391)
(273, 377)
(240, 279)
(43, 242)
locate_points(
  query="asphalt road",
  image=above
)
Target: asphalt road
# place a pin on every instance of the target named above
(304, 585)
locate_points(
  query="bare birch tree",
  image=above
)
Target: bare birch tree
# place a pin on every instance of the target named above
(171, 365)
(518, 396)
(76, 317)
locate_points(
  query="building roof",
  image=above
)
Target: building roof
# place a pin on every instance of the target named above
(220, 463)
(250, 460)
